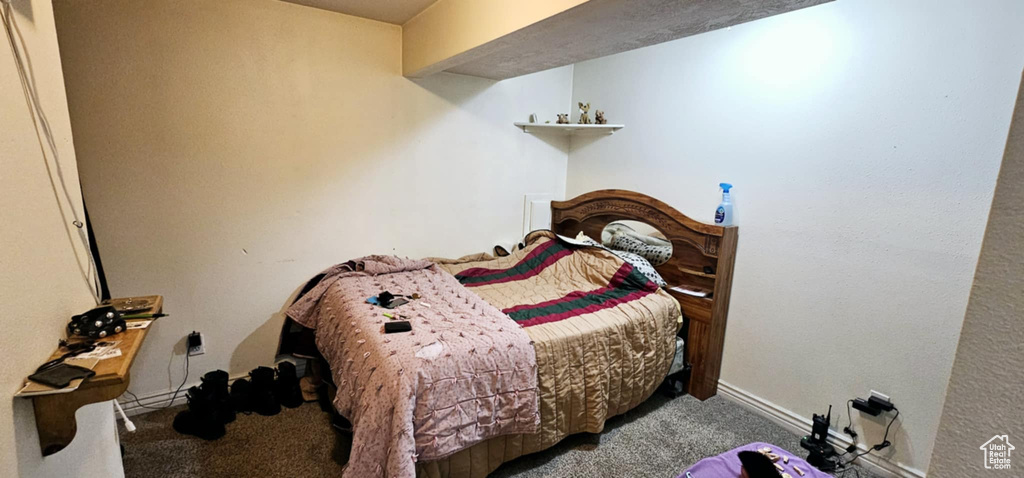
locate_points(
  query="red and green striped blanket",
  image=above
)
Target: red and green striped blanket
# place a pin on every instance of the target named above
(604, 338)
(551, 280)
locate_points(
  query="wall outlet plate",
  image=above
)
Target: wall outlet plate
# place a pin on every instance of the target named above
(536, 212)
(196, 344)
(881, 396)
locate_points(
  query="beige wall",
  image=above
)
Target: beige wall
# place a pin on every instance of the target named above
(984, 392)
(41, 257)
(230, 150)
(449, 28)
(863, 139)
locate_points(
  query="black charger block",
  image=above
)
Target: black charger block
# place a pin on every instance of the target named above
(865, 406)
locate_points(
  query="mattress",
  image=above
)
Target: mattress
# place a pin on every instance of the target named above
(604, 340)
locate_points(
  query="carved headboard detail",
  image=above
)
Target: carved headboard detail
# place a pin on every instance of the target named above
(697, 248)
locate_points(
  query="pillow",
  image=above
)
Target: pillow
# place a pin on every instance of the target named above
(612, 229)
(639, 263)
(655, 238)
(657, 255)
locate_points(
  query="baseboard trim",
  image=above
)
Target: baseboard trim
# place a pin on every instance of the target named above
(802, 425)
(161, 400)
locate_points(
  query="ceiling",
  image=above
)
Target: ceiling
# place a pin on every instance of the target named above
(600, 28)
(390, 11)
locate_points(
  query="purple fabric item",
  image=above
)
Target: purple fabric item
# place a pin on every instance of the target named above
(727, 465)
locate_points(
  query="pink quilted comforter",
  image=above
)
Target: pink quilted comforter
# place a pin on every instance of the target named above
(464, 374)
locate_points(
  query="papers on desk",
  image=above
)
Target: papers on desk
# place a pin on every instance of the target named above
(138, 324)
(104, 350)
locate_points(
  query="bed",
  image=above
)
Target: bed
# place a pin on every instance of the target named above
(603, 336)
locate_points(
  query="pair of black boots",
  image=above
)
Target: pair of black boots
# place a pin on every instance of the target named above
(267, 389)
(211, 405)
(209, 408)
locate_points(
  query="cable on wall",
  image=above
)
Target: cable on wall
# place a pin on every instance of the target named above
(23, 65)
(845, 467)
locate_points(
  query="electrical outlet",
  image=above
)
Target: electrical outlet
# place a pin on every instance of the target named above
(196, 344)
(876, 403)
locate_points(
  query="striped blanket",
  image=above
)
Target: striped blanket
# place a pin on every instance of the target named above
(604, 338)
(538, 268)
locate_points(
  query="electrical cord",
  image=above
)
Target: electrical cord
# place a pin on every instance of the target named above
(843, 472)
(173, 397)
(849, 429)
(23, 65)
(885, 443)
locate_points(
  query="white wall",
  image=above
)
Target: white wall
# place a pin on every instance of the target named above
(230, 150)
(41, 257)
(983, 398)
(863, 139)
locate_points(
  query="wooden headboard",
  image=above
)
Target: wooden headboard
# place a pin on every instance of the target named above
(695, 246)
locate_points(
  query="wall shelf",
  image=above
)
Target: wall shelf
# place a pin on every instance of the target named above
(569, 129)
(55, 412)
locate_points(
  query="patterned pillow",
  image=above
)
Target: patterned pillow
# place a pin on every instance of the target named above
(657, 255)
(642, 265)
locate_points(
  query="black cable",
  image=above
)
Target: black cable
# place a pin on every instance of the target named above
(869, 450)
(884, 444)
(885, 438)
(844, 471)
(101, 276)
(173, 397)
(849, 415)
(849, 427)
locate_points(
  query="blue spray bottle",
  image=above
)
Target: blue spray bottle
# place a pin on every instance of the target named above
(723, 215)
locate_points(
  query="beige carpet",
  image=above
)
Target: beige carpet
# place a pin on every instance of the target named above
(658, 439)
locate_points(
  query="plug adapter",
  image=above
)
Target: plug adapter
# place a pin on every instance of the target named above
(865, 406)
(195, 344)
(880, 403)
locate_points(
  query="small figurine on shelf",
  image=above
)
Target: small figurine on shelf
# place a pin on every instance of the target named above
(584, 117)
(599, 117)
(563, 118)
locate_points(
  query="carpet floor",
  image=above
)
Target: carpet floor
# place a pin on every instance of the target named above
(660, 438)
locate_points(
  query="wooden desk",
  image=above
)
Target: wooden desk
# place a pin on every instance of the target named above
(55, 413)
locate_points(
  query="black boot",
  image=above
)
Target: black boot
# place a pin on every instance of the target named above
(201, 417)
(216, 384)
(287, 388)
(241, 394)
(262, 399)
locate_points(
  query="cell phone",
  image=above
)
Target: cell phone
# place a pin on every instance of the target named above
(397, 301)
(395, 326)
